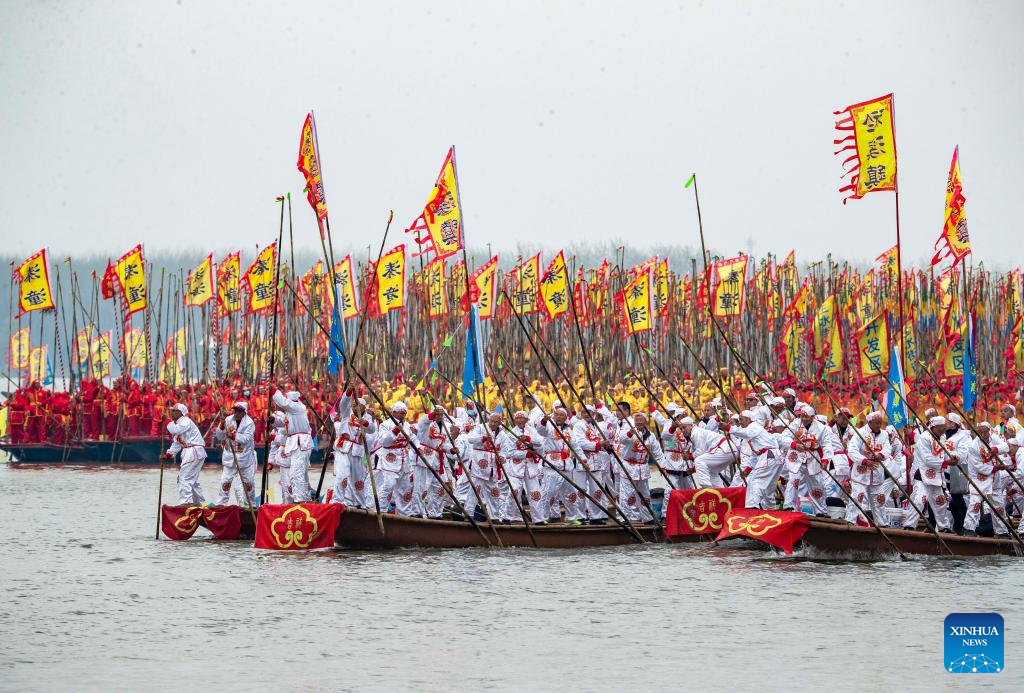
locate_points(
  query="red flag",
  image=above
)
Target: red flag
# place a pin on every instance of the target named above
(179, 522)
(701, 511)
(298, 526)
(779, 528)
(109, 282)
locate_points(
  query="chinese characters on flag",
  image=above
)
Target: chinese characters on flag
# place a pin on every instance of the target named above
(130, 272)
(199, 285)
(526, 286)
(731, 279)
(954, 241)
(33, 279)
(229, 298)
(309, 165)
(636, 303)
(554, 287)
(873, 345)
(437, 296)
(391, 280)
(484, 287)
(260, 279)
(869, 142)
(346, 288)
(442, 214)
(19, 348)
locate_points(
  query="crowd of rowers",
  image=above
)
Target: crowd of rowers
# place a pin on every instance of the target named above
(578, 465)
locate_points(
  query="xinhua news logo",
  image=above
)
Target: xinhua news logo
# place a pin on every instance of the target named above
(973, 643)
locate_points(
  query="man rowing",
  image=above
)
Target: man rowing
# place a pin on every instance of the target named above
(186, 441)
(236, 436)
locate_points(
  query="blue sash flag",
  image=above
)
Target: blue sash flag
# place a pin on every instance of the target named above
(970, 377)
(336, 355)
(895, 407)
(472, 372)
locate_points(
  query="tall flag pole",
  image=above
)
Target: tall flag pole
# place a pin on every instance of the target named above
(868, 138)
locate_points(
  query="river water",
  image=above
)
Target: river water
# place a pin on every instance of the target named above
(92, 602)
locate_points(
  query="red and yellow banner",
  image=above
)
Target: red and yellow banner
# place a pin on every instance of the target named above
(730, 278)
(873, 346)
(199, 285)
(483, 284)
(391, 280)
(130, 270)
(701, 511)
(779, 528)
(297, 527)
(260, 279)
(229, 298)
(33, 277)
(83, 345)
(346, 288)
(437, 295)
(869, 133)
(133, 346)
(661, 289)
(309, 166)
(554, 287)
(19, 348)
(526, 286)
(99, 356)
(954, 241)
(180, 522)
(442, 214)
(636, 304)
(37, 364)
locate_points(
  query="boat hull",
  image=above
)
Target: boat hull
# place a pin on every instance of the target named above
(131, 451)
(836, 537)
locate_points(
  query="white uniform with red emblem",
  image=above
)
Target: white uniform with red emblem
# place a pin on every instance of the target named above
(803, 466)
(712, 455)
(485, 446)
(237, 440)
(299, 444)
(558, 451)
(929, 459)
(898, 459)
(586, 438)
(678, 459)
(434, 445)
(840, 446)
(636, 452)
(283, 464)
(522, 455)
(353, 436)
(393, 469)
(765, 463)
(993, 483)
(868, 483)
(186, 439)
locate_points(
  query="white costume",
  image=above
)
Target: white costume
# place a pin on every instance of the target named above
(981, 459)
(523, 465)
(803, 463)
(559, 452)
(633, 450)
(586, 438)
(434, 445)
(299, 443)
(929, 458)
(485, 446)
(237, 440)
(765, 463)
(393, 470)
(712, 455)
(353, 437)
(868, 483)
(186, 439)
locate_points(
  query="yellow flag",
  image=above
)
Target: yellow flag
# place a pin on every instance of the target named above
(952, 350)
(131, 275)
(889, 261)
(483, 287)
(437, 295)
(554, 287)
(824, 321)
(260, 279)
(199, 285)
(33, 277)
(833, 359)
(20, 348)
(661, 290)
(910, 350)
(442, 215)
(867, 306)
(729, 290)
(134, 348)
(229, 298)
(869, 145)
(873, 345)
(791, 344)
(798, 309)
(636, 303)
(83, 345)
(346, 288)
(391, 280)
(954, 241)
(100, 356)
(37, 364)
(526, 278)
(946, 284)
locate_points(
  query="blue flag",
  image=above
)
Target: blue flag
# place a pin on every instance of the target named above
(336, 355)
(970, 377)
(895, 407)
(472, 372)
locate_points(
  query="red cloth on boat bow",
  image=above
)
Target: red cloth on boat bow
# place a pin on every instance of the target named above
(180, 522)
(702, 510)
(780, 528)
(297, 526)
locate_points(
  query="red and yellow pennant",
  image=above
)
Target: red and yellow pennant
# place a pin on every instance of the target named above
(128, 276)
(33, 277)
(309, 165)
(554, 287)
(260, 279)
(661, 289)
(954, 241)
(437, 294)
(199, 285)
(390, 282)
(442, 215)
(730, 279)
(38, 364)
(636, 304)
(889, 261)
(870, 135)
(99, 356)
(19, 348)
(484, 286)
(346, 288)
(873, 345)
(229, 298)
(526, 286)
(133, 346)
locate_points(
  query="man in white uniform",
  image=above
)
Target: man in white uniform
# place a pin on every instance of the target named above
(559, 452)
(299, 443)
(587, 438)
(765, 460)
(806, 438)
(931, 452)
(636, 452)
(433, 443)
(187, 440)
(354, 430)
(394, 463)
(524, 468)
(236, 434)
(869, 454)
(987, 465)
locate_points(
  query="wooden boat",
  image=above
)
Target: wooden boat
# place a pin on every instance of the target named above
(838, 537)
(142, 450)
(48, 453)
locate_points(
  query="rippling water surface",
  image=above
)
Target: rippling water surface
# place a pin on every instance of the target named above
(91, 602)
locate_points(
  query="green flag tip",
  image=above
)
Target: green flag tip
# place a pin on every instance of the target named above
(693, 177)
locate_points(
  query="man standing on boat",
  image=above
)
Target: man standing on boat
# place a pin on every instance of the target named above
(486, 442)
(869, 452)
(353, 430)
(522, 462)
(765, 460)
(299, 444)
(678, 459)
(987, 464)
(433, 443)
(187, 440)
(637, 452)
(393, 471)
(931, 455)
(558, 451)
(806, 439)
(587, 438)
(239, 457)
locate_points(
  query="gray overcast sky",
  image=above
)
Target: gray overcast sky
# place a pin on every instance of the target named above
(176, 123)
